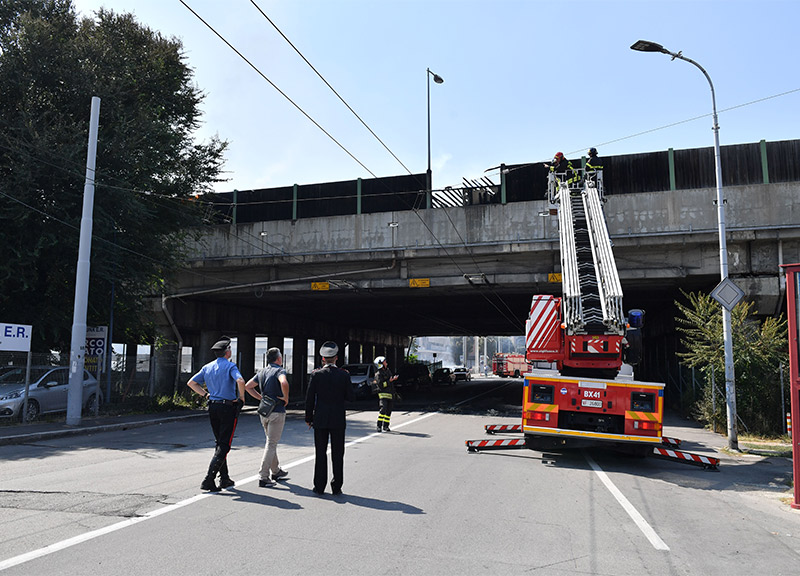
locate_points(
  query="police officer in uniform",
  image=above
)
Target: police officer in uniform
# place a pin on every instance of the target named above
(386, 392)
(328, 389)
(224, 388)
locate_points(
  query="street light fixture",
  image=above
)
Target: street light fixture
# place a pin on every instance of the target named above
(429, 180)
(730, 383)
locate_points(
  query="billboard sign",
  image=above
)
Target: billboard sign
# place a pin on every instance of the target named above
(15, 337)
(96, 342)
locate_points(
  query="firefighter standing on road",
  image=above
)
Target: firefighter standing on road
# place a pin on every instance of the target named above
(386, 392)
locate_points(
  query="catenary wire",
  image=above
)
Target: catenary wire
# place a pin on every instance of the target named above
(329, 86)
(414, 209)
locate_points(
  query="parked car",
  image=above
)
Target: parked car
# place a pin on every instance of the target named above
(462, 373)
(47, 391)
(361, 377)
(413, 376)
(443, 376)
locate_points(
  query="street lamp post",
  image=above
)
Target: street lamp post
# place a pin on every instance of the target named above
(730, 384)
(429, 178)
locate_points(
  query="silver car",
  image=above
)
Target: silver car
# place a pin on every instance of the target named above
(47, 392)
(361, 377)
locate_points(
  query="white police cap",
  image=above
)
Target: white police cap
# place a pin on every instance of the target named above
(329, 349)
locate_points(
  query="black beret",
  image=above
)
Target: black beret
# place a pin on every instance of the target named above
(223, 344)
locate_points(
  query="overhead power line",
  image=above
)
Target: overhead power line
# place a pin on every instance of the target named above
(328, 85)
(282, 93)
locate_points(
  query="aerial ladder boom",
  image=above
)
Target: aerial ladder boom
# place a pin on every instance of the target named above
(592, 294)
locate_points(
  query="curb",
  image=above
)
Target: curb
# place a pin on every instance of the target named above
(45, 435)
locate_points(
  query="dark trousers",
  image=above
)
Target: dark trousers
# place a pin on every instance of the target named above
(321, 436)
(223, 422)
(385, 414)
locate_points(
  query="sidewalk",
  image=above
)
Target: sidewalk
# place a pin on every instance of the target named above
(693, 436)
(24, 433)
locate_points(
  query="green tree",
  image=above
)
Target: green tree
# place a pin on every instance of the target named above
(149, 167)
(759, 349)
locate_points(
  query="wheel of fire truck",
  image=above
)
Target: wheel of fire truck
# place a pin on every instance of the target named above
(541, 443)
(636, 450)
(516, 373)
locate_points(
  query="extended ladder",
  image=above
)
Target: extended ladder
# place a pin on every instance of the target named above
(591, 290)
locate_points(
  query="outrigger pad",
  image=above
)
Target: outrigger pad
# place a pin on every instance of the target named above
(500, 444)
(686, 457)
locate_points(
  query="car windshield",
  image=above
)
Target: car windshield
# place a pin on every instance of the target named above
(357, 369)
(17, 375)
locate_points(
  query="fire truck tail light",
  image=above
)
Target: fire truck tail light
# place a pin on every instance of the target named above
(646, 425)
(545, 416)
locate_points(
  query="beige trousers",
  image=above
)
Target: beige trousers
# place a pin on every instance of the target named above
(273, 428)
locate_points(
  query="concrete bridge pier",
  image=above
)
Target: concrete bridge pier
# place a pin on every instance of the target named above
(246, 352)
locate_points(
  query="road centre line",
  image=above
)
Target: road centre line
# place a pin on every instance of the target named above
(637, 518)
(81, 538)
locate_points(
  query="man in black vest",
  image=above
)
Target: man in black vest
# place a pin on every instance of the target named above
(328, 389)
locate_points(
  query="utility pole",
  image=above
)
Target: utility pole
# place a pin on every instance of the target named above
(77, 351)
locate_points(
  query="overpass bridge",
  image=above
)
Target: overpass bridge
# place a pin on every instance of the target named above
(371, 280)
(378, 278)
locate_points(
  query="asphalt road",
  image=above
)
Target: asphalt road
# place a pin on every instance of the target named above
(415, 502)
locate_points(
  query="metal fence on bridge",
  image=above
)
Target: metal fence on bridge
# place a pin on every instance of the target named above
(742, 164)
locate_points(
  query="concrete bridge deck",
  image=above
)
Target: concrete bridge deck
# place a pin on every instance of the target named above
(472, 270)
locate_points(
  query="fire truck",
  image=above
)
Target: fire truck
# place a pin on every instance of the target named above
(584, 334)
(508, 365)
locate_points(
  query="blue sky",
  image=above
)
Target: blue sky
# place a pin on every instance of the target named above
(523, 79)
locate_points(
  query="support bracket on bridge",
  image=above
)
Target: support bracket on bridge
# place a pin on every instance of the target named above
(476, 278)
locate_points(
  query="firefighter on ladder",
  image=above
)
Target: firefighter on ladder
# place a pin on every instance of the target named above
(386, 392)
(563, 171)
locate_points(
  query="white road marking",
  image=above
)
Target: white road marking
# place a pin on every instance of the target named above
(57, 546)
(28, 556)
(637, 518)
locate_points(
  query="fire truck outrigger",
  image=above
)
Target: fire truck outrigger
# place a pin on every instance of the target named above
(586, 400)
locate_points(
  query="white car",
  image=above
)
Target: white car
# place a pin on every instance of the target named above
(462, 374)
(47, 392)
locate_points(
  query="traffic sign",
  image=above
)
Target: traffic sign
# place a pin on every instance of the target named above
(727, 293)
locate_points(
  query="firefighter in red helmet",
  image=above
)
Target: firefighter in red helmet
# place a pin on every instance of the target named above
(562, 168)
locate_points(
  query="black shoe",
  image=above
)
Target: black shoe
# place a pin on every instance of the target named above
(337, 491)
(279, 474)
(210, 485)
(386, 429)
(318, 491)
(266, 483)
(379, 428)
(226, 483)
